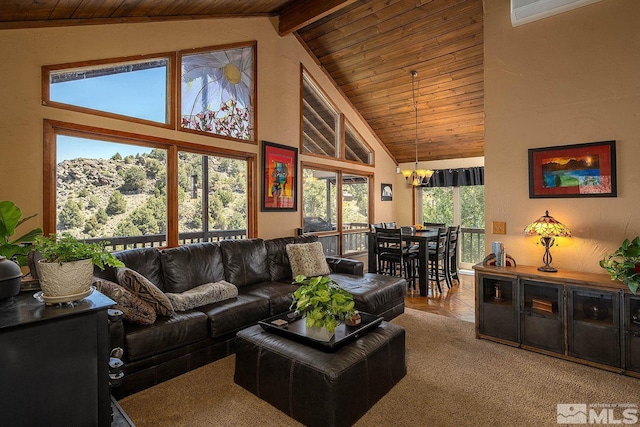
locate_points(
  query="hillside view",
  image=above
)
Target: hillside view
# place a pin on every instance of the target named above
(126, 196)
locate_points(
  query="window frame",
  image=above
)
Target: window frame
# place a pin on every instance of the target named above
(340, 171)
(372, 154)
(171, 93)
(52, 128)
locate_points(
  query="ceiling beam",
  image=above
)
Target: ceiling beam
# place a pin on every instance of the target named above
(302, 13)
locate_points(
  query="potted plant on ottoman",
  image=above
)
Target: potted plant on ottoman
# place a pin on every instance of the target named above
(66, 267)
(323, 304)
(624, 264)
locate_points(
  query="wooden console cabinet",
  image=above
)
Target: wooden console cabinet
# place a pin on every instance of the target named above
(54, 362)
(583, 317)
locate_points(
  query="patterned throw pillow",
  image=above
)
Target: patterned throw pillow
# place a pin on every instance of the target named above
(135, 310)
(202, 295)
(307, 259)
(145, 290)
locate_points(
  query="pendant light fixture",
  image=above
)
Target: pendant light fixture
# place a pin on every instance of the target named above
(416, 177)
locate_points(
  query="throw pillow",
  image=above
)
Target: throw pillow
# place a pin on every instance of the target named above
(135, 310)
(147, 291)
(202, 295)
(307, 259)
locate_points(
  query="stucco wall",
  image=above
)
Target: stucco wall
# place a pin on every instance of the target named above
(567, 79)
(21, 113)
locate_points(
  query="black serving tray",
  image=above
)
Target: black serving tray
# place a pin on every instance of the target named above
(296, 329)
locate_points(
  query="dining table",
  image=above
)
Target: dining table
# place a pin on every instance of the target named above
(422, 237)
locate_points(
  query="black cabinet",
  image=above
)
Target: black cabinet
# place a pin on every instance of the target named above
(498, 312)
(594, 325)
(541, 316)
(583, 317)
(54, 362)
(632, 332)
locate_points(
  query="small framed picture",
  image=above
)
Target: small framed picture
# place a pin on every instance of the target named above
(386, 191)
(581, 170)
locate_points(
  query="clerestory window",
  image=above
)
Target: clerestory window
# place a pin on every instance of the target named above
(325, 130)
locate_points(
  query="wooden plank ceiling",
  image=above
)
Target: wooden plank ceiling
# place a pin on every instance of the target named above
(368, 47)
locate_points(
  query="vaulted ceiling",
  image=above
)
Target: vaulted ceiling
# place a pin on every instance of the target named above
(368, 47)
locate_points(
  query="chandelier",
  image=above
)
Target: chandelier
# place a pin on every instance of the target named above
(416, 177)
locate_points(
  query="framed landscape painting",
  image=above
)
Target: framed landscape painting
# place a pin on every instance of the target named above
(581, 170)
(279, 177)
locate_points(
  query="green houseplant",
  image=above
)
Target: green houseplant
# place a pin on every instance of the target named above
(10, 219)
(624, 264)
(322, 302)
(66, 267)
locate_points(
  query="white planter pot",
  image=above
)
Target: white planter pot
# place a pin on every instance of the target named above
(319, 334)
(71, 279)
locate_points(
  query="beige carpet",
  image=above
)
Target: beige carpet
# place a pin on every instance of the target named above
(453, 379)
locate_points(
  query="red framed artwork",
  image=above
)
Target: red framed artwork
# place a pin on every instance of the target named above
(581, 170)
(279, 177)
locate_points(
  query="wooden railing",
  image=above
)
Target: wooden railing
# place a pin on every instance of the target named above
(471, 245)
(160, 240)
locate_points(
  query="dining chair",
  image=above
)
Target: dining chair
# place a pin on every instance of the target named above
(391, 225)
(437, 259)
(451, 260)
(375, 227)
(394, 258)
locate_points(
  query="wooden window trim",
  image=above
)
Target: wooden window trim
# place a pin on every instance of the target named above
(178, 88)
(323, 95)
(171, 93)
(53, 128)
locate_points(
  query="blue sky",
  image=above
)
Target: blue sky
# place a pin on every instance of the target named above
(139, 94)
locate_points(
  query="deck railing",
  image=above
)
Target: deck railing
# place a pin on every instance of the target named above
(472, 245)
(159, 240)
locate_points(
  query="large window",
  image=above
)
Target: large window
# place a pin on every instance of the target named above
(212, 196)
(325, 131)
(340, 222)
(106, 189)
(131, 89)
(114, 186)
(462, 205)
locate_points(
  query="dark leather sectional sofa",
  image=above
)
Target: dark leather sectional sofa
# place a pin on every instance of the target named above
(260, 270)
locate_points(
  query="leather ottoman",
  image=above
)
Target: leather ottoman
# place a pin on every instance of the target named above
(318, 388)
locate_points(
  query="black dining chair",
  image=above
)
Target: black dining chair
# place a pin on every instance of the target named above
(394, 258)
(437, 259)
(451, 260)
(375, 227)
(390, 224)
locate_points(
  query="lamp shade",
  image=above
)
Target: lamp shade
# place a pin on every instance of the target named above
(547, 226)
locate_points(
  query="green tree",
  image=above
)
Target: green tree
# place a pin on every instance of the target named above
(437, 204)
(92, 226)
(93, 202)
(117, 204)
(127, 228)
(153, 168)
(116, 156)
(83, 192)
(144, 221)
(101, 216)
(135, 180)
(70, 215)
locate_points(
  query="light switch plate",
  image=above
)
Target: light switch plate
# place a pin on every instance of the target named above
(498, 227)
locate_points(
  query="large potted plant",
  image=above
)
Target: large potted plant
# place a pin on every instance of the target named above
(323, 304)
(66, 267)
(624, 264)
